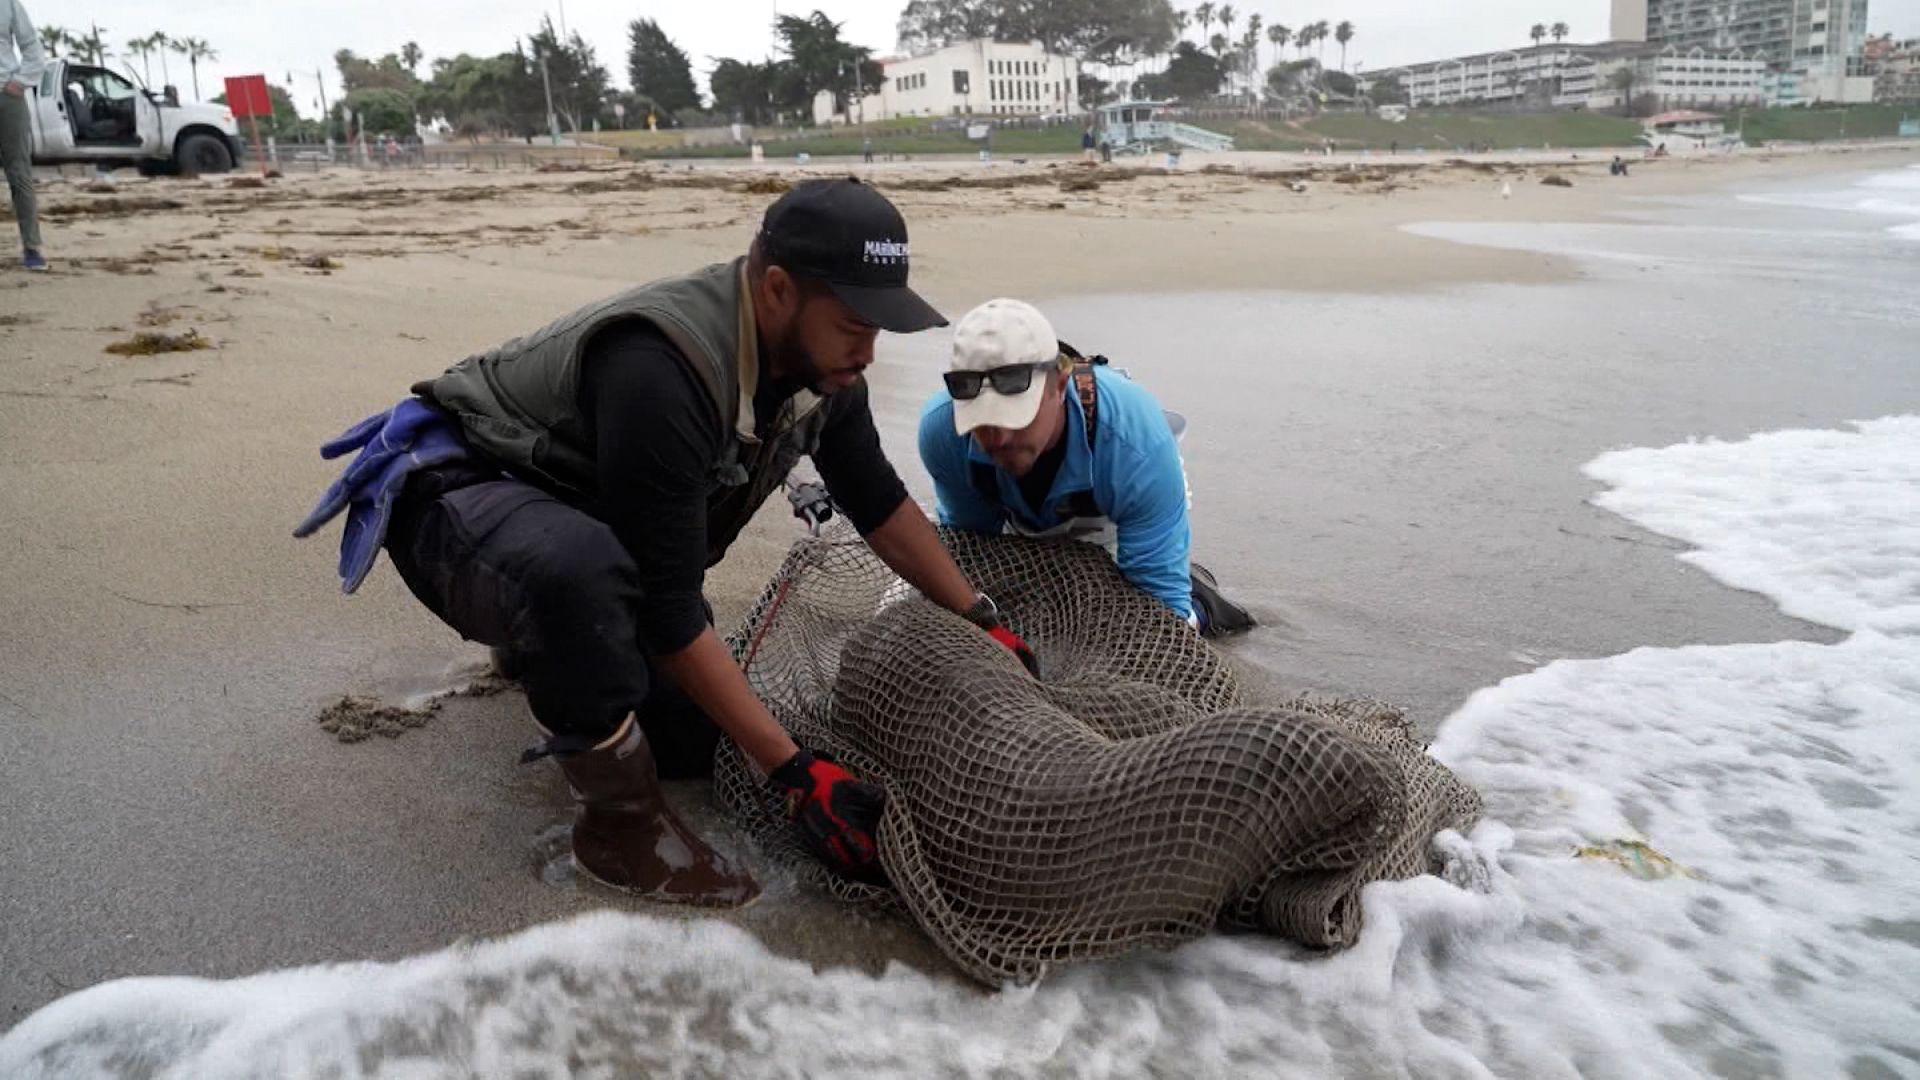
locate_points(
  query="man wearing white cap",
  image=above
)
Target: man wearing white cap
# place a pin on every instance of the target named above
(1031, 438)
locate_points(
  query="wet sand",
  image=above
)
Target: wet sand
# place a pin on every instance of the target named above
(170, 802)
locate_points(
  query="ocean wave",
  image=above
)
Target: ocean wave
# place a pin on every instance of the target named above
(1697, 868)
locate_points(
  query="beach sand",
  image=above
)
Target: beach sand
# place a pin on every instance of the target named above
(170, 802)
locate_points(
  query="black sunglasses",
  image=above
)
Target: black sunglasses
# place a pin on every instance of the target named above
(1009, 380)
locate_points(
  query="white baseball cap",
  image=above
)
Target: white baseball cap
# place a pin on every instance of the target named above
(997, 334)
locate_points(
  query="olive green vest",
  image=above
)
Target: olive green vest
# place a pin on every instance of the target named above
(519, 403)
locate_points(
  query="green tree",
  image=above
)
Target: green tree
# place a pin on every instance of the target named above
(1191, 76)
(386, 73)
(196, 50)
(52, 37)
(410, 56)
(285, 123)
(1538, 32)
(1343, 34)
(1218, 43)
(1204, 16)
(1093, 91)
(579, 82)
(142, 48)
(160, 43)
(743, 91)
(1624, 81)
(658, 69)
(930, 24)
(381, 111)
(818, 60)
(1560, 31)
(1102, 31)
(1279, 35)
(490, 95)
(92, 46)
(1388, 90)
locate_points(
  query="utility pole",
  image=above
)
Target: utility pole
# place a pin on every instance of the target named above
(563, 23)
(553, 122)
(326, 117)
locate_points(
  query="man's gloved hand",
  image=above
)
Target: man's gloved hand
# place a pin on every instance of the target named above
(986, 615)
(835, 815)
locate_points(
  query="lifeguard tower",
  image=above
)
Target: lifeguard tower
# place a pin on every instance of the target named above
(1137, 127)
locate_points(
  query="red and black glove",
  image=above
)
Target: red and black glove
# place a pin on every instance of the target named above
(986, 615)
(835, 815)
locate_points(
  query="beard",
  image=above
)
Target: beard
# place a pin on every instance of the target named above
(790, 355)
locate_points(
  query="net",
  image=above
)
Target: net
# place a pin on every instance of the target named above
(1129, 797)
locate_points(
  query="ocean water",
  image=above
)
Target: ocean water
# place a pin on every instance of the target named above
(1656, 596)
(1886, 194)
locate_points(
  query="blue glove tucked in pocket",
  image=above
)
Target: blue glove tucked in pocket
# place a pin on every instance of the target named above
(412, 435)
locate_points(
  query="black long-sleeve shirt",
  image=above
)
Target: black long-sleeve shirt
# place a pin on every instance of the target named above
(655, 440)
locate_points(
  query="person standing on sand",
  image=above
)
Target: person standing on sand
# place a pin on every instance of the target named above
(1086, 144)
(561, 496)
(22, 61)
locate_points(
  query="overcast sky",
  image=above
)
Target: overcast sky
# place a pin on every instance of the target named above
(278, 37)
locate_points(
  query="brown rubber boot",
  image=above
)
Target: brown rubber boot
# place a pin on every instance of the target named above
(629, 839)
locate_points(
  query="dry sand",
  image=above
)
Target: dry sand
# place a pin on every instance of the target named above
(168, 802)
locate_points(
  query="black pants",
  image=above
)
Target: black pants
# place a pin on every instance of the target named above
(509, 565)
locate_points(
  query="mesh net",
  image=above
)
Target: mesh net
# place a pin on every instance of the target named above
(1129, 797)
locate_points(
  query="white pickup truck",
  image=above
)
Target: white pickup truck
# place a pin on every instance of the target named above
(86, 114)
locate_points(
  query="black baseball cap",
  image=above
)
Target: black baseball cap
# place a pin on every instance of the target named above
(848, 235)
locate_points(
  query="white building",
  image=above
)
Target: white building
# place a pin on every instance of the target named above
(1816, 44)
(1687, 79)
(1585, 77)
(1564, 74)
(975, 78)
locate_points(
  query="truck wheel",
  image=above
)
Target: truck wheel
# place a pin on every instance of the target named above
(199, 154)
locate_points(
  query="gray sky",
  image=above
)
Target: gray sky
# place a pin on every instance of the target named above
(276, 37)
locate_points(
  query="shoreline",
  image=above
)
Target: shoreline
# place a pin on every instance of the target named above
(168, 647)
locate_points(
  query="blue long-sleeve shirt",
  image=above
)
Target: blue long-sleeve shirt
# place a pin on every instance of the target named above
(1133, 472)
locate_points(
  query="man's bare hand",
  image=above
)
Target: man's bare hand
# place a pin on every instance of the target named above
(15, 89)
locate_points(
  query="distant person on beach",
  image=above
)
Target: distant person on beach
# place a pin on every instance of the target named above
(561, 496)
(22, 62)
(866, 150)
(1030, 437)
(1086, 144)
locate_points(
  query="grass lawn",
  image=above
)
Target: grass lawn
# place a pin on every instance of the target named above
(1820, 124)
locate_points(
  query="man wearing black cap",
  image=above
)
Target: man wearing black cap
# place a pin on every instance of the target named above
(591, 471)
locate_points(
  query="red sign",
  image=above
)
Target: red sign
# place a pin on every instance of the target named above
(247, 96)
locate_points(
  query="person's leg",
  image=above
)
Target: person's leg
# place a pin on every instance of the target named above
(16, 154)
(508, 565)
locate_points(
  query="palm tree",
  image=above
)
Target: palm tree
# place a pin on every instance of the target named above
(1343, 34)
(52, 37)
(1227, 17)
(163, 45)
(1560, 31)
(1204, 13)
(142, 48)
(410, 55)
(93, 47)
(196, 50)
(1279, 35)
(1539, 31)
(1625, 80)
(1218, 43)
(1247, 52)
